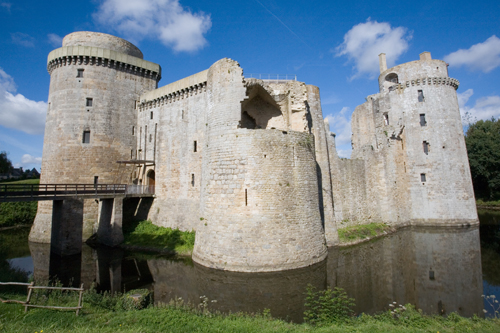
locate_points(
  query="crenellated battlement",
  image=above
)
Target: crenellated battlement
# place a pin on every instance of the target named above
(95, 56)
(435, 81)
(192, 85)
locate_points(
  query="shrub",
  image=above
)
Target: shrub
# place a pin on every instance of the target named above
(327, 306)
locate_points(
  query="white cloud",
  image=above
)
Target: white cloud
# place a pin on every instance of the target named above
(55, 40)
(340, 124)
(17, 111)
(365, 41)
(484, 108)
(28, 159)
(479, 57)
(6, 5)
(22, 39)
(166, 20)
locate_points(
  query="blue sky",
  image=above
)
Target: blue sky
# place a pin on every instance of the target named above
(331, 44)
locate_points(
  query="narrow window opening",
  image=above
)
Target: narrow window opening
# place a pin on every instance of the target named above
(182, 116)
(192, 179)
(423, 122)
(151, 114)
(79, 72)
(404, 164)
(150, 137)
(89, 102)
(431, 275)
(131, 153)
(265, 156)
(195, 148)
(96, 180)
(421, 96)
(423, 179)
(386, 119)
(425, 145)
(86, 137)
(133, 130)
(246, 197)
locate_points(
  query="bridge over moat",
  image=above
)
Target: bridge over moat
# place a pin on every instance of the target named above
(39, 192)
(69, 225)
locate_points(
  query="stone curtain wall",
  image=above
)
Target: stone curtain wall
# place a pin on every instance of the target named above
(176, 124)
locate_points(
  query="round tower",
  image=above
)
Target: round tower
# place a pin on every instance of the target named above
(259, 198)
(419, 107)
(95, 82)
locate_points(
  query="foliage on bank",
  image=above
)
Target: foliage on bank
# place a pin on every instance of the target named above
(106, 313)
(18, 213)
(362, 231)
(483, 148)
(149, 236)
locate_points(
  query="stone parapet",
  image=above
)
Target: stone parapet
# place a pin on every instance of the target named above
(189, 86)
(445, 81)
(89, 55)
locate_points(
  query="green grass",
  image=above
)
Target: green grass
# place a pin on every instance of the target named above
(362, 231)
(488, 203)
(97, 316)
(24, 181)
(146, 234)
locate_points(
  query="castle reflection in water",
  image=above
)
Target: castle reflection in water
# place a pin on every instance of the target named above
(437, 270)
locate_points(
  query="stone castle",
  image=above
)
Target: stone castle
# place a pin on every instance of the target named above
(249, 164)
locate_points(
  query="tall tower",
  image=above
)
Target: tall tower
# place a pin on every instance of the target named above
(96, 80)
(410, 135)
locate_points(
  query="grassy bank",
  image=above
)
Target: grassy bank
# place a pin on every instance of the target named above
(148, 236)
(18, 213)
(495, 205)
(95, 317)
(361, 232)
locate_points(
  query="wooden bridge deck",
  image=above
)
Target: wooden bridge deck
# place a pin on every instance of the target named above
(38, 192)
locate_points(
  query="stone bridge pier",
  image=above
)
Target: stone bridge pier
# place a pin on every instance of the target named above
(69, 229)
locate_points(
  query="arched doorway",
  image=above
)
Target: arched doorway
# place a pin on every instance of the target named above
(151, 181)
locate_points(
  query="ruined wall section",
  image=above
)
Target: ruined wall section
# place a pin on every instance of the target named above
(277, 105)
(171, 131)
(259, 188)
(325, 194)
(91, 112)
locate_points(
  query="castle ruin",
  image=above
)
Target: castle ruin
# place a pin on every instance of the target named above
(249, 164)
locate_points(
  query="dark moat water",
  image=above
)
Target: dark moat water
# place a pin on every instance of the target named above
(440, 270)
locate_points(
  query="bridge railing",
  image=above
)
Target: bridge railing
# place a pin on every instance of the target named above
(140, 189)
(46, 191)
(28, 192)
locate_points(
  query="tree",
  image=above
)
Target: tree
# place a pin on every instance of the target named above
(5, 163)
(483, 147)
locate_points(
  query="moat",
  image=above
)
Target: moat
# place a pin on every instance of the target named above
(440, 270)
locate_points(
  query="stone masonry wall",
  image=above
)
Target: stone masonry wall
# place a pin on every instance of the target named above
(405, 182)
(109, 118)
(261, 210)
(173, 135)
(259, 188)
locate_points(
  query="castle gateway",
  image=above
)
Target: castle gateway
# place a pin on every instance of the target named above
(249, 164)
